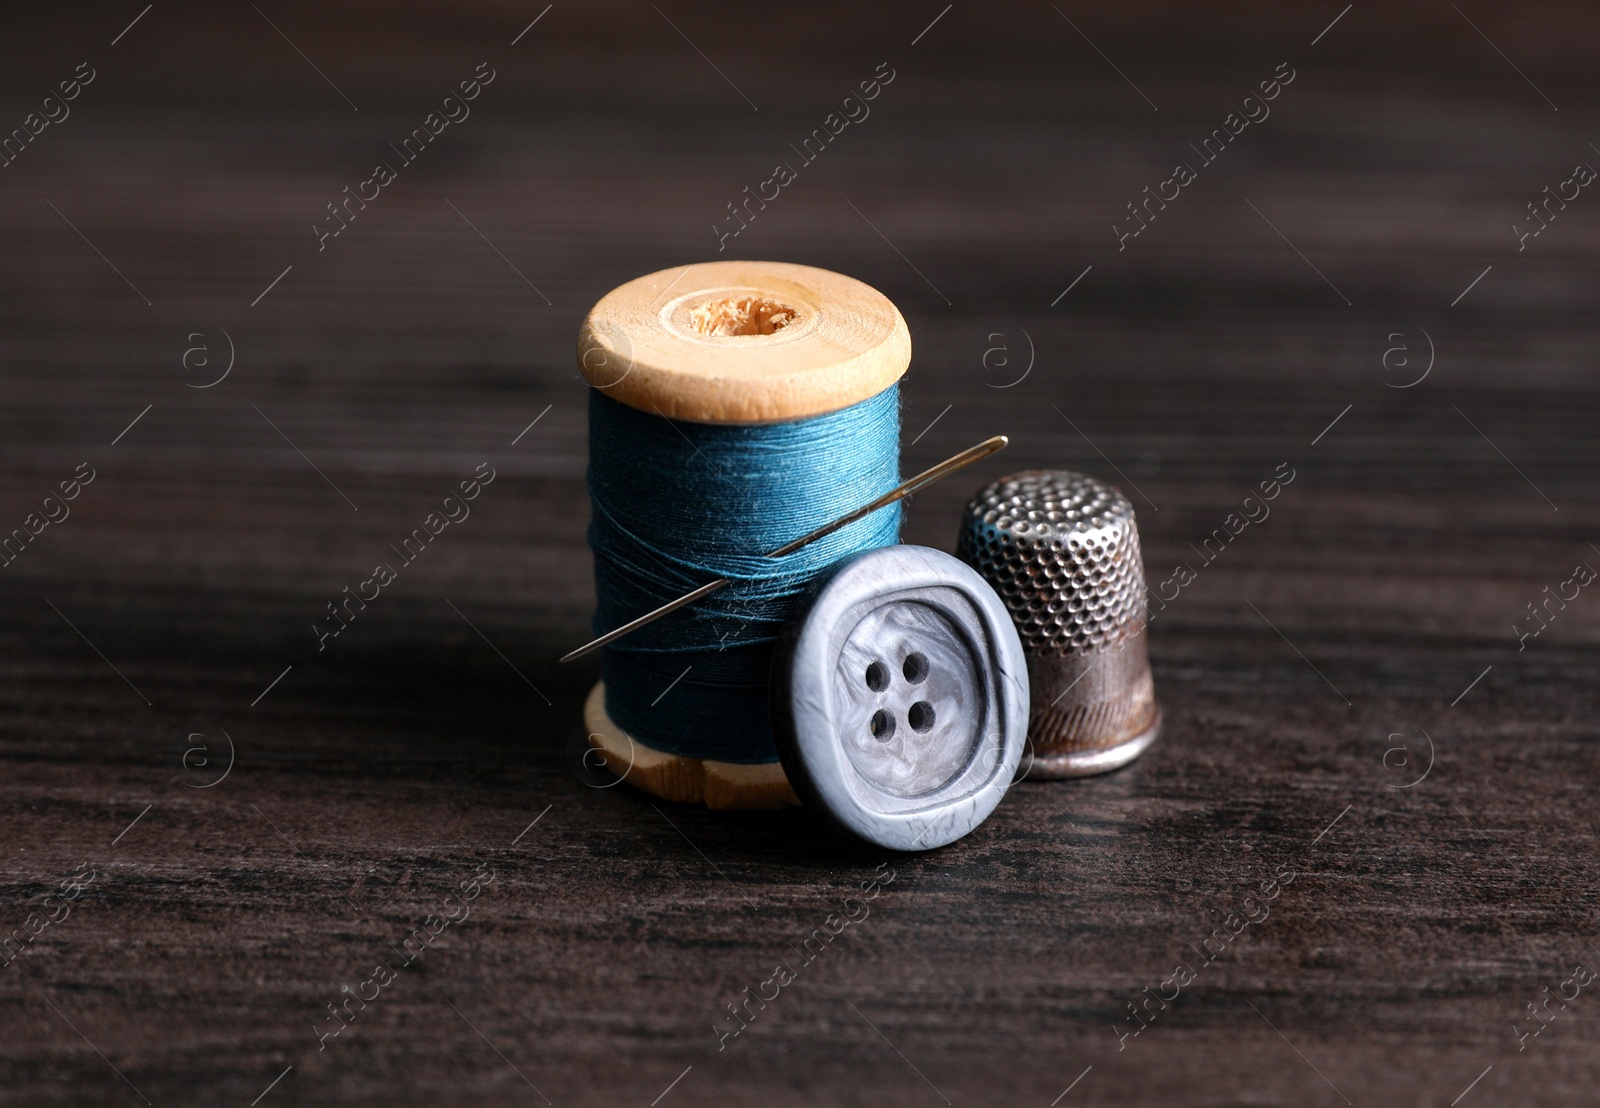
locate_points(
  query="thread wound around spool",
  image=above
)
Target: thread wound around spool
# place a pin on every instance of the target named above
(731, 343)
(743, 342)
(676, 503)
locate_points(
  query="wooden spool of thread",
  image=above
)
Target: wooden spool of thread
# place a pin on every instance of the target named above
(742, 344)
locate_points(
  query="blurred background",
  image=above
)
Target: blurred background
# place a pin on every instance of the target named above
(1341, 290)
(987, 178)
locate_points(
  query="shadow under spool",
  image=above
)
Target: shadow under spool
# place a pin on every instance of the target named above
(726, 356)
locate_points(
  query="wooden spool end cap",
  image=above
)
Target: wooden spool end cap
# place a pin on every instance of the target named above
(727, 786)
(743, 342)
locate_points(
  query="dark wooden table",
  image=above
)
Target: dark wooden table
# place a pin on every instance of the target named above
(1347, 707)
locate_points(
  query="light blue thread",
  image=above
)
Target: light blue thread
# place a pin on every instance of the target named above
(677, 504)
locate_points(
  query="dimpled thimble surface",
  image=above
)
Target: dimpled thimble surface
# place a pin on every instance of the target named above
(1062, 551)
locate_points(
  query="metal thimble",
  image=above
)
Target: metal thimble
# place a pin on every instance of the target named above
(1062, 550)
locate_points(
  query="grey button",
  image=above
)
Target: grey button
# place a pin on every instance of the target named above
(900, 698)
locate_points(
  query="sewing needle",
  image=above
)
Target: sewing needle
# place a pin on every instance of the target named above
(899, 492)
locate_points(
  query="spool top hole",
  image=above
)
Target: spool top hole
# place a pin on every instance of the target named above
(741, 315)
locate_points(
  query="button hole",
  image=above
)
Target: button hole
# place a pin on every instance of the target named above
(915, 668)
(877, 677)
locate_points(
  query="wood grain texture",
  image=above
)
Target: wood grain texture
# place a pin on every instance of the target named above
(722, 786)
(743, 342)
(434, 734)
